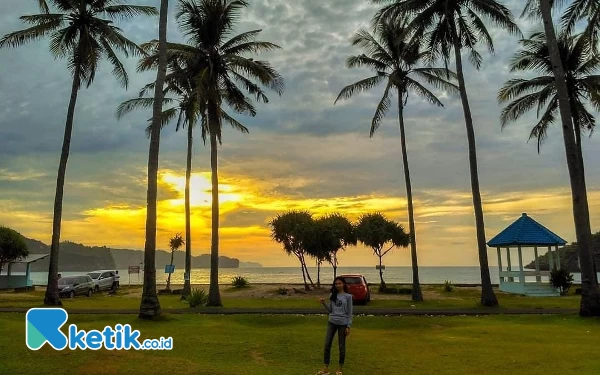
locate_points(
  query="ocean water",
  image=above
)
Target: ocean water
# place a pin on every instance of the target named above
(289, 275)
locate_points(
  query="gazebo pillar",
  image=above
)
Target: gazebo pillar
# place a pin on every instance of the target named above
(538, 277)
(557, 258)
(521, 276)
(550, 259)
(510, 278)
(500, 264)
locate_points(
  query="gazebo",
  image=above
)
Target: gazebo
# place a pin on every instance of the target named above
(527, 233)
(11, 281)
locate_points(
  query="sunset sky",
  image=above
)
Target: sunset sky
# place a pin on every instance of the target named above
(302, 151)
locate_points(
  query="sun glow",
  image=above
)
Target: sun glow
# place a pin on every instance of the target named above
(200, 190)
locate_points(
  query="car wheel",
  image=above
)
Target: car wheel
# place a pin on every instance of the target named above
(97, 289)
(89, 293)
(72, 294)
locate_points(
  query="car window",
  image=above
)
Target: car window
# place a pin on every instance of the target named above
(82, 280)
(104, 275)
(94, 275)
(353, 280)
(66, 281)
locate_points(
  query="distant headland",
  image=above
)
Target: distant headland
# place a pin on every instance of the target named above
(76, 257)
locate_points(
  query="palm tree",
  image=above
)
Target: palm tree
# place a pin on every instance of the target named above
(443, 26)
(81, 31)
(191, 106)
(590, 294)
(174, 244)
(150, 305)
(395, 58)
(208, 24)
(580, 64)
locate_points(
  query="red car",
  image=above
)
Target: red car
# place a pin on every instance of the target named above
(358, 287)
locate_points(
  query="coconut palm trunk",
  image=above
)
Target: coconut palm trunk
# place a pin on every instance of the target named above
(417, 295)
(590, 295)
(150, 306)
(214, 295)
(52, 297)
(169, 277)
(382, 284)
(488, 298)
(187, 289)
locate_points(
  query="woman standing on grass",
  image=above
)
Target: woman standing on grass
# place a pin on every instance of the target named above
(340, 320)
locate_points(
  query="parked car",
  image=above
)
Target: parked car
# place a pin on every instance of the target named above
(103, 279)
(71, 286)
(359, 288)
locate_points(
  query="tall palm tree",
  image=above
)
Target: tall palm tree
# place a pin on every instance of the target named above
(579, 62)
(191, 106)
(208, 25)
(443, 26)
(395, 58)
(150, 305)
(82, 32)
(590, 294)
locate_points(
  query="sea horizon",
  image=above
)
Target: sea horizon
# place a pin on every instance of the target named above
(293, 275)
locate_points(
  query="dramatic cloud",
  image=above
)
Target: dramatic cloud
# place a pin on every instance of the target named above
(302, 151)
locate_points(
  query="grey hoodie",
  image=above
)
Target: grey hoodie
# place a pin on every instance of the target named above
(340, 311)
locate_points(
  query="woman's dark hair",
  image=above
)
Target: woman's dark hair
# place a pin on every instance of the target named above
(334, 291)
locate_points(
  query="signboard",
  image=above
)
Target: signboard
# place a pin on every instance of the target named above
(186, 276)
(134, 269)
(378, 267)
(169, 268)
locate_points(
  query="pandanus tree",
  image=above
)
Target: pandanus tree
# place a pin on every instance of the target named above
(443, 27)
(395, 58)
(295, 230)
(83, 33)
(223, 58)
(590, 294)
(382, 235)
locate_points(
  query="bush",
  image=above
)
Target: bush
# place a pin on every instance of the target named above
(239, 282)
(282, 291)
(390, 290)
(562, 280)
(448, 287)
(197, 298)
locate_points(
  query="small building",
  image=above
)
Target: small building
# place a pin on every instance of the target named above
(526, 233)
(12, 281)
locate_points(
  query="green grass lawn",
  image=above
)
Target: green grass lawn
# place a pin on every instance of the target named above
(464, 298)
(290, 345)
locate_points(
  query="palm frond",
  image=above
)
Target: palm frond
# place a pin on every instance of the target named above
(138, 103)
(18, 38)
(233, 122)
(360, 86)
(382, 108)
(123, 12)
(422, 91)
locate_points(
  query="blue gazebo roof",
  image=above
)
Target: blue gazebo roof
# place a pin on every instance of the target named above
(526, 232)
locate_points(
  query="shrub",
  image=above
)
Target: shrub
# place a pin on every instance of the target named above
(197, 298)
(448, 287)
(282, 291)
(562, 280)
(239, 282)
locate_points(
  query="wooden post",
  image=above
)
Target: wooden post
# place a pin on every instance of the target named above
(538, 277)
(27, 276)
(510, 278)
(500, 264)
(550, 259)
(557, 258)
(521, 276)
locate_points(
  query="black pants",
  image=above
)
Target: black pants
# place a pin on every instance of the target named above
(331, 330)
